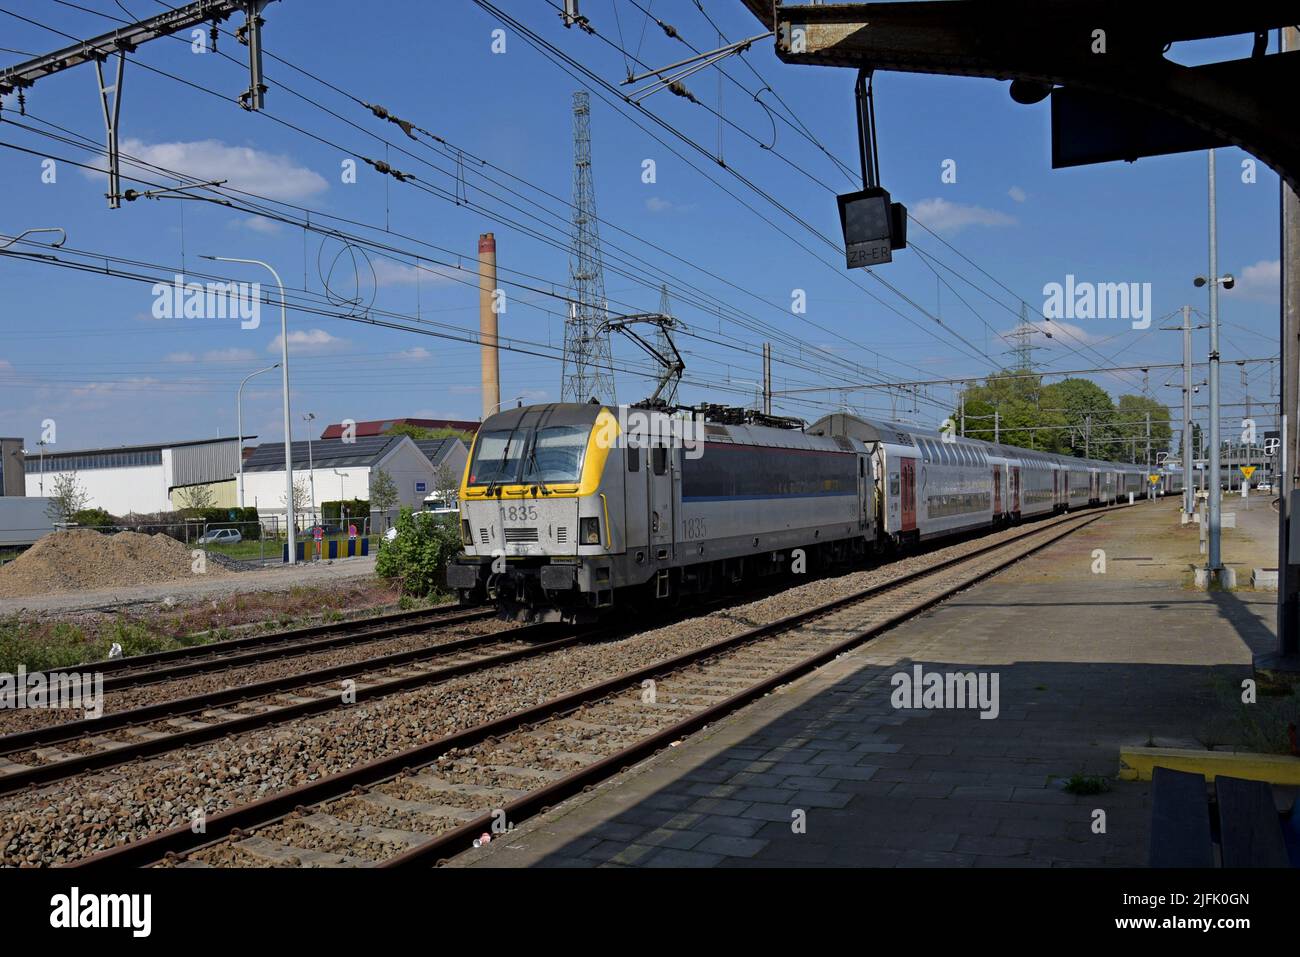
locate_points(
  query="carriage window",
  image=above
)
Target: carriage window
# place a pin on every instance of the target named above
(633, 458)
(659, 460)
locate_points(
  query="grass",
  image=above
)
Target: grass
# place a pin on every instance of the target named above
(40, 646)
(47, 643)
(1087, 784)
(272, 548)
(1261, 726)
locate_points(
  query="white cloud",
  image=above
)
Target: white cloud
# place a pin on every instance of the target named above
(274, 175)
(1018, 194)
(180, 357)
(1260, 281)
(414, 354)
(232, 355)
(657, 205)
(389, 273)
(6, 366)
(309, 341)
(260, 224)
(945, 217)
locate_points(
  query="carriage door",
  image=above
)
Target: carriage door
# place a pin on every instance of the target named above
(660, 503)
(908, 468)
(1056, 487)
(1015, 490)
(997, 490)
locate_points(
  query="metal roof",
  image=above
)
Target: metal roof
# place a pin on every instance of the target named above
(52, 449)
(324, 453)
(366, 450)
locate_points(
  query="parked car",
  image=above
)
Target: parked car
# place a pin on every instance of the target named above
(221, 536)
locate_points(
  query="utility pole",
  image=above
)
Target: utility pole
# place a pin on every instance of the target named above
(996, 427)
(1288, 583)
(1213, 562)
(663, 343)
(767, 378)
(1188, 457)
(127, 38)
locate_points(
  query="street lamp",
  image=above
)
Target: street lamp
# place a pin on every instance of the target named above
(239, 416)
(1213, 562)
(311, 465)
(341, 476)
(284, 378)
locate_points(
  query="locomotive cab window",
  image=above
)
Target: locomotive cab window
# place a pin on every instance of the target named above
(633, 458)
(659, 460)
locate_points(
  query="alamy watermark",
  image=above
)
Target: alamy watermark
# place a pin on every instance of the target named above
(212, 300)
(1100, 300)
(953, 690)
(649, 428)
(53, 689)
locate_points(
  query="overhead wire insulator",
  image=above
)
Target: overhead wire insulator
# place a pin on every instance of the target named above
(383, 167)
(679, 88)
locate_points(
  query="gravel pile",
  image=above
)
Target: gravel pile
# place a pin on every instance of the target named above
(78, 817)
(75, 559)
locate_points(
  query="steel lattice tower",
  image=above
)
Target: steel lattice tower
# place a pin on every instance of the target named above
(588, 364)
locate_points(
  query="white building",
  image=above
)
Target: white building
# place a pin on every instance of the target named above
(135, 478)
(331, 470)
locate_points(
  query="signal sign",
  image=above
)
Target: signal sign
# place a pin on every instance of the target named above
(1248, 470)
(1153, 479)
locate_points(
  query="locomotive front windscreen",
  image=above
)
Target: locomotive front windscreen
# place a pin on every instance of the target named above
(529, 456)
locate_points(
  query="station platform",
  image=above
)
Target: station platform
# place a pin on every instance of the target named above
(1087, 663)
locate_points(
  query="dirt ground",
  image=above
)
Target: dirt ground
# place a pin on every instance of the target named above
(216, 584)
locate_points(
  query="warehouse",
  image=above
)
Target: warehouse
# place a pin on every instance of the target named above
(330, 470)
(139, 478)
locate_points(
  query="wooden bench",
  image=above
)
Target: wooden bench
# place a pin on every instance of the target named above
(1239, 828)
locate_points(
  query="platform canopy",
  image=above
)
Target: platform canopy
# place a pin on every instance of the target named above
(1114, 94)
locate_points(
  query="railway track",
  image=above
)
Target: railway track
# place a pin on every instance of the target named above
(53, 753)
(160, 666)
(424, 804)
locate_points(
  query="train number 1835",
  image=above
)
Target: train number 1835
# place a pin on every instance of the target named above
(521, 513)
(694, 528)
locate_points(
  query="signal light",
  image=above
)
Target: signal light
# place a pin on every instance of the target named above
(873, 227)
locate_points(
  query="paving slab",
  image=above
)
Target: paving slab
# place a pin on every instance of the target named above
(828, 772)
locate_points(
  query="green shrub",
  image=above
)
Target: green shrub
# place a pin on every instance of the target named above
(357, 509)
(94, 517)
(416, 560)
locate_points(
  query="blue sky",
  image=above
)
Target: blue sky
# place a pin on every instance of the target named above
(85, 351)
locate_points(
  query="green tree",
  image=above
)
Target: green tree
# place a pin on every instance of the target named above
(67, 497)
(196, 496)
(383, 492)
(421, 434)
(1131, 426)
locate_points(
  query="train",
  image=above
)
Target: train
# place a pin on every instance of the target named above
(568, 510)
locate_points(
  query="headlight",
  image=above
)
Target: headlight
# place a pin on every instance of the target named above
(466, 536)
(589, 531)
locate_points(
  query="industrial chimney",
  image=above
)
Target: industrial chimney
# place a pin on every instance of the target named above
(487, 322)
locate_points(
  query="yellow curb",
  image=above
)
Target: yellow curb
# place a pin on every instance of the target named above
(1136, 764)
